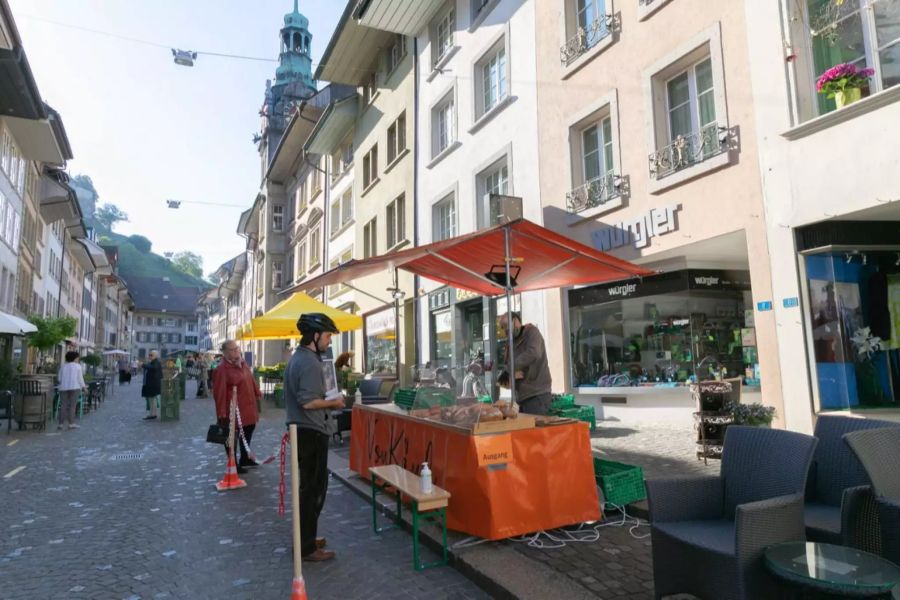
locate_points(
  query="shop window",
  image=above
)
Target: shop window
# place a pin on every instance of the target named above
(854, 312)
(863, 33)
(670, 329)
(442, 338)
(381, 342)
(444, 219)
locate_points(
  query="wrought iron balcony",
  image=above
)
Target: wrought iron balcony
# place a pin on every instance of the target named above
(585, 39)
(688, 150)
(596, 192)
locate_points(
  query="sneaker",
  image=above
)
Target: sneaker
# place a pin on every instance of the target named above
(149, 417)
(74, 426)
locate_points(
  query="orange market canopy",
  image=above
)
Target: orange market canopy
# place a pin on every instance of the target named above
(281, 322)
(547, 260)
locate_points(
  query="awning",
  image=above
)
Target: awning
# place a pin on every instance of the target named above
(398, 16)
(547, 260)
(11, 324)
(281, 322)
(336, 121)
(37, 139)
(97, 256)
(353, 50)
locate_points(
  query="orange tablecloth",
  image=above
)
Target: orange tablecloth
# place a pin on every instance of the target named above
(548, 483)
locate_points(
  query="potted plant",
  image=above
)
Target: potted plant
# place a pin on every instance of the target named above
(844, 83)
(753, 414)
(867, 379)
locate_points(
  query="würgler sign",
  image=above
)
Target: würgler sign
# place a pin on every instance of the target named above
(658, 221)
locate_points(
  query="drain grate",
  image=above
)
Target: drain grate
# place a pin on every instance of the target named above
(128, 456)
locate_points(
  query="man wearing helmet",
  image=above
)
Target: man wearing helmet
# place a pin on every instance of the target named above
(304, 395)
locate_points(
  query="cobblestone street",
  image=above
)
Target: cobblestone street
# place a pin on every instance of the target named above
(126, 508)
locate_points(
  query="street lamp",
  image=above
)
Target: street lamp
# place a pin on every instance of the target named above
(176, 204)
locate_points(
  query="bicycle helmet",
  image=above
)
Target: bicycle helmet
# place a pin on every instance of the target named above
(312, 323)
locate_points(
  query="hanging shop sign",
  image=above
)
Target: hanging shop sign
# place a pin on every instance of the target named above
(462, 295)
(657, 221)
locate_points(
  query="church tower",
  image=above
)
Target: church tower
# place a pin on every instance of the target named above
(293, 82)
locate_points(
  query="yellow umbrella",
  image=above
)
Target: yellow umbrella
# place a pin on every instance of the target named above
(280, 323)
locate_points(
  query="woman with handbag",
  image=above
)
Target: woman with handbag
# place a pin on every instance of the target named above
(233, 373)
(152, 387)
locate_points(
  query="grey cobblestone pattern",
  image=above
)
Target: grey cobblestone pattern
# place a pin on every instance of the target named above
(75, 523)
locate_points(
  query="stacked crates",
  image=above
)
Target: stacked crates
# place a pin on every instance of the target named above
(563, 405)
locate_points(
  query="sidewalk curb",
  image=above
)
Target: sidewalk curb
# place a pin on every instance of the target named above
(498, 569)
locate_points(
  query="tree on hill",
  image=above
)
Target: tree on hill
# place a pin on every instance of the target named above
(108, 215)
(140, 243)
(189, 263)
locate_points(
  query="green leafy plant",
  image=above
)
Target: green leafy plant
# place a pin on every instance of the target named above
(7, 376)
(50, 331)
(92, 360)
(754, 414)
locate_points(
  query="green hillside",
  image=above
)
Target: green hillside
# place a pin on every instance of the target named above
(135, 262)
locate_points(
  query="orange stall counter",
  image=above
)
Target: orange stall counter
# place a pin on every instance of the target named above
(501, 485)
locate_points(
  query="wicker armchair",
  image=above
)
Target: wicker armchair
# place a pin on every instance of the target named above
(709, 533)
(840, 505)
(877, 450)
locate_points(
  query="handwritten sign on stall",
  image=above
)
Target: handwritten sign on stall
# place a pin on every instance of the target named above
(494, 449)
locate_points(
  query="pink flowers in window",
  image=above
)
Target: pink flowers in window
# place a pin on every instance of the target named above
(842, 76)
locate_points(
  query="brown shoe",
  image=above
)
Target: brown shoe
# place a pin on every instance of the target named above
(319, 556)
(320, 543)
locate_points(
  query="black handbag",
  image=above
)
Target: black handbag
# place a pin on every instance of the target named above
(217, 434)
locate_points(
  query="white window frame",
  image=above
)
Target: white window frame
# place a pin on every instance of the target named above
(370, 86)
(370, 168)
(605, 107)
(499, 165)
(337, 289)
(437, 217)
(395, 221)
(315, 248)
(481, 111)
(395, 54)
(707, 43)
(396, 140)
(370, 238)
(447, 103)
(570, 27)
(277, 218)
(443, 36)
(648, 7)
(277, 275)
(301, 260)
(479, 10)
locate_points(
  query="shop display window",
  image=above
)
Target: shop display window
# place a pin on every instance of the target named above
(381, 342)
(666, 332)
(853, 301)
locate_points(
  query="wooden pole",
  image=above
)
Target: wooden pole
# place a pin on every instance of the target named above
(295, 502)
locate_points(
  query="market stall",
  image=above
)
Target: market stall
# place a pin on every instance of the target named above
(508, 473)
(280, 323)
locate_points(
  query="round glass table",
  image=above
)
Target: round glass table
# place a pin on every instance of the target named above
(832, 569)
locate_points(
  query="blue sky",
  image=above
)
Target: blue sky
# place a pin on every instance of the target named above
(145, 129)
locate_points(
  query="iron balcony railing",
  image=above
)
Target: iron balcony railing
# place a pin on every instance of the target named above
(688, 150)
(596, 192)
(585, 39)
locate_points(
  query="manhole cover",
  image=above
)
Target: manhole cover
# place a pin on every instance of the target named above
(128, 456)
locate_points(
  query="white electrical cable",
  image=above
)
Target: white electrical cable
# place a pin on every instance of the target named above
(585, 533)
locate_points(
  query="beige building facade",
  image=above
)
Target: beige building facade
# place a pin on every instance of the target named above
(648, 151)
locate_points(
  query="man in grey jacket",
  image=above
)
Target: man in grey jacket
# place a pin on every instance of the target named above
(304, 396)
(532, 371)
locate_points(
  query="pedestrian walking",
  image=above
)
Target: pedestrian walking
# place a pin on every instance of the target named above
(124, 373)
(202, 370)
(152, 387)
(304, 393)
(233, 373)
(71, 384)
(134, 367)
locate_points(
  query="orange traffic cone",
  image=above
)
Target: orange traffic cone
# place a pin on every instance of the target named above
(298, 592)
(231, 481)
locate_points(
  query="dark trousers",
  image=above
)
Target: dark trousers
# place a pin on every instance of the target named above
(536, 405)
(240, 448)
(312, 453)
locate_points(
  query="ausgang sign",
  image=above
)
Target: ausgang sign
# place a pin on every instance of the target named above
(658, 221)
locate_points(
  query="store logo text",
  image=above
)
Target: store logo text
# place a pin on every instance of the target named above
(622, 290)
(658, 221)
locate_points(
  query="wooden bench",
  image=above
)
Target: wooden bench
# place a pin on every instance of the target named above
(431, 507)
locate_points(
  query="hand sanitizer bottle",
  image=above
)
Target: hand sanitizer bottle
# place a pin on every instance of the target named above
(425, 479)
(357, 397)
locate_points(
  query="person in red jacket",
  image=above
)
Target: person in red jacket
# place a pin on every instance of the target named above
(232, 373)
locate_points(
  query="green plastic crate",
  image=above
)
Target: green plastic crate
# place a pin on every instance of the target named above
(405, 398)
(558, 401)
(621, 484)
(581, 413)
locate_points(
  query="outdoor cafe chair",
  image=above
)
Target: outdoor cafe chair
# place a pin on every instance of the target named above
(32, 389)
(877, 450)
(840, 506)
(708, 533)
